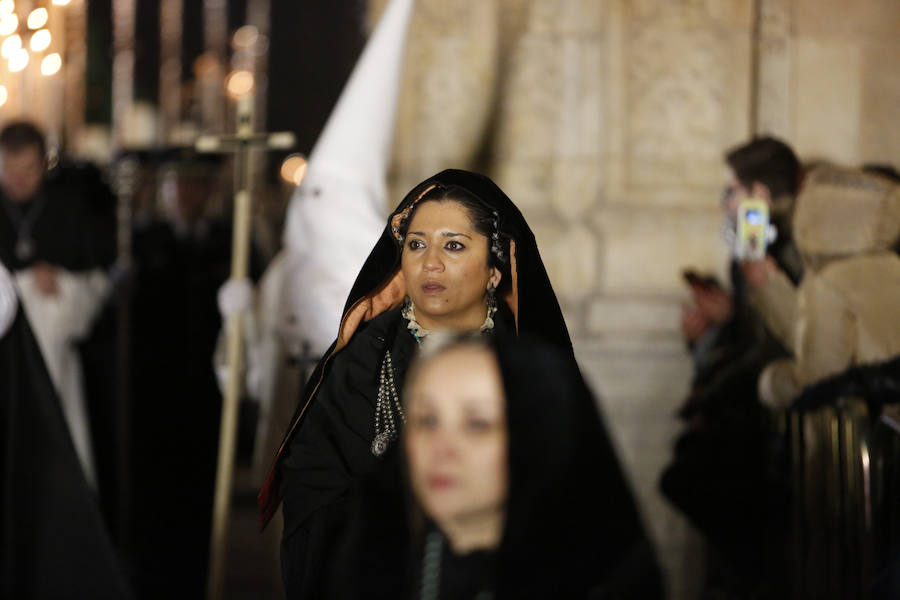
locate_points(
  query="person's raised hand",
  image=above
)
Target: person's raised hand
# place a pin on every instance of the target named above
(758, 272)
(693, 322)
(714, 302)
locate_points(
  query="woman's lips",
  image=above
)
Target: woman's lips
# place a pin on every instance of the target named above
(432, 287)
(440, 482)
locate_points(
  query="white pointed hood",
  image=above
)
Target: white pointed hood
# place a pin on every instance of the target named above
(337, 213)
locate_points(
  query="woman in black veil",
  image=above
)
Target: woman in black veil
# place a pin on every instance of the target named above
(494, 492)
(456, 256)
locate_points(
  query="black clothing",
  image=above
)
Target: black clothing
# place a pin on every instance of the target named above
(175, 323)
(333, 449)
(341, 419)
(73, 222)
(569, 531)
(468, 575)
(53, 541)
(319, 460)
(572, 530)
(731, 458)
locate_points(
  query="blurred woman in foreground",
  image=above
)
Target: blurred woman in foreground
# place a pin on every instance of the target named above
(505, 488)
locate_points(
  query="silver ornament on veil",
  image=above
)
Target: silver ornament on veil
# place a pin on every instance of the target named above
(386, 405)
(24, 248)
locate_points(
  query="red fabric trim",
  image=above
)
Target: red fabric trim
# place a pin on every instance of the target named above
(512, 297)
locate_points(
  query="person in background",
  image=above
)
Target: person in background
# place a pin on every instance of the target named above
(54, 542)
(719, 324)
(726, 459)
(57, 228)
(55, 241)
(182, 256)
(847, 227)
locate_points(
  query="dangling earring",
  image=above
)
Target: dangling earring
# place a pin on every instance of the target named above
(492, 298)
(490, 302)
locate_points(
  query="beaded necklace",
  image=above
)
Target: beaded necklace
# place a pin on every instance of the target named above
(388, 409)
(420, 333)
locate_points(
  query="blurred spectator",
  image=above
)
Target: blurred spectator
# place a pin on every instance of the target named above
(58, 230)
(847, 224)
(53, 541)
(724, 474)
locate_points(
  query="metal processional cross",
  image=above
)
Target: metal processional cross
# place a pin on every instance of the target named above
(240, 144)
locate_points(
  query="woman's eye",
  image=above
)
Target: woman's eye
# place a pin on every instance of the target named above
(454, 246)
(479, 425)
(424, 421)
(415, 245)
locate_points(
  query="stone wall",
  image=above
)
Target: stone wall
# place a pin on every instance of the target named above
(606, 121)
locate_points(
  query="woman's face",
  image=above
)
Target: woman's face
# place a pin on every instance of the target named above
(456, 437)
(445, 263)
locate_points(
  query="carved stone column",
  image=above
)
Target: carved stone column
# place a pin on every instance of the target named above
(771, 96)
(449, 89)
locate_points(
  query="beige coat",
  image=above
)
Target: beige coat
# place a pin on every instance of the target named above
(847, 311)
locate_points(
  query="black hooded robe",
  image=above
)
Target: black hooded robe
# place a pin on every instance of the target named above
(53, 540)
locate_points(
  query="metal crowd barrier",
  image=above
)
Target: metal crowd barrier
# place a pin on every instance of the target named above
(845, 469)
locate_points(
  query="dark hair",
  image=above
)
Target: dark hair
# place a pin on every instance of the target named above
(768, 161)
(484, 220)
(19, 135)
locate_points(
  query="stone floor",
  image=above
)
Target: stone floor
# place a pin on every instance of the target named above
(252, 571)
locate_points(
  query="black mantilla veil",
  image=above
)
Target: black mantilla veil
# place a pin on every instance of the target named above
(530, 297)
(568, 493)
(571, 531)
(380, 287)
